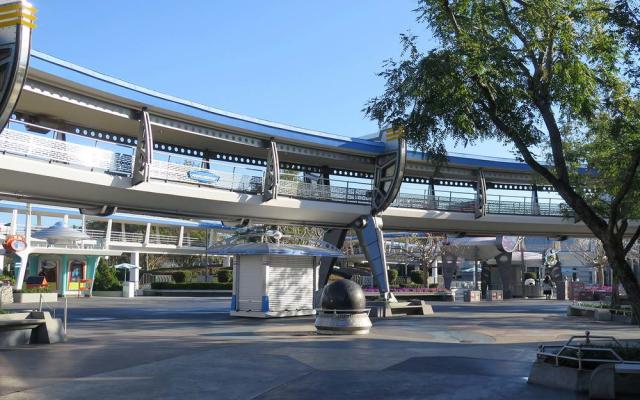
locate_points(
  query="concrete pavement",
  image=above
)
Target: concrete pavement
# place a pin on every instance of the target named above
(165, 348)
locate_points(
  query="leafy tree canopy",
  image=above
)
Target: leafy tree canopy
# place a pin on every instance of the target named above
(555, 78)
(558, 79)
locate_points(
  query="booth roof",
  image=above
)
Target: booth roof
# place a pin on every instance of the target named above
(59, 231)
(274, 249)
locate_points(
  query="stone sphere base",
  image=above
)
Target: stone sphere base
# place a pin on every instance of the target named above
(329, 322)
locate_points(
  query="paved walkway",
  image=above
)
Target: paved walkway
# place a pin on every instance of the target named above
(166, 348)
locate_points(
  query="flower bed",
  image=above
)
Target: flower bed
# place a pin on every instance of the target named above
(412, 290)
(581, 291)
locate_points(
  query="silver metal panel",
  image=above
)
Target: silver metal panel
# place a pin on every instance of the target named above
(58, 93)
(371, 240)
(272, 174)
(144, 150)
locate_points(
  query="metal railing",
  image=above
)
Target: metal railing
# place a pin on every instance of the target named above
(188, 241)
(467, 202)
(582, 349)
(444, 201)
(219, 175)
(342, 191)
(127, 237)
(163, 239)
(522, 205)
(97, 238)
(63, 147)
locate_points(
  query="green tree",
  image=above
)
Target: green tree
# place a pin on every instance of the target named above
(224, 275)
(106, 277)
(417, 276)
(392, 275)
(557, 79)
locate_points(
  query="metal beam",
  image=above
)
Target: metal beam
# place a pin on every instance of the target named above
(144, 150)
(388, 176)
(369, 231)
(481, 195)
(272, 174)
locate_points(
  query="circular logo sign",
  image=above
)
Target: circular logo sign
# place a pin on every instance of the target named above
(15, 244)
(18, 245)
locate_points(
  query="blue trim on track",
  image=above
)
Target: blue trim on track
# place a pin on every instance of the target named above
(148, 97)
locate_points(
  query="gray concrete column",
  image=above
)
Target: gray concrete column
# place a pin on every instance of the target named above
(134, 273)
(507, 274)
(449, 267)
(335, 237)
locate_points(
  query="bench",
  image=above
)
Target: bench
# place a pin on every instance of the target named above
(35, 327)
(18, 324)
(609, 379)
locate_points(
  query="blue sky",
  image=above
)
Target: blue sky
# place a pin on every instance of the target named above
(308, 64)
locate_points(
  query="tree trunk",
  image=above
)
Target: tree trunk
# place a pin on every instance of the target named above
(623, 272)
(600, 270)
(615, 289)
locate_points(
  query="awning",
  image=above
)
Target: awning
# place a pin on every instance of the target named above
(274, 249)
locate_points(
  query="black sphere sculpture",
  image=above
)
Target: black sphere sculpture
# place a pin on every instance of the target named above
(343, 294)
(343, 310)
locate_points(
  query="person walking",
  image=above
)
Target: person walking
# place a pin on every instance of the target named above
(547, 287)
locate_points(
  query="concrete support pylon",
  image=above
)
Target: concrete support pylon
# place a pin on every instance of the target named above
(371, 238)
(134, 273)
(507, 274)
(449, 267)
(335, 237)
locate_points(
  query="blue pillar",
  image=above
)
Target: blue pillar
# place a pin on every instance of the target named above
(33, 264)
(64, 274)
(92, 265)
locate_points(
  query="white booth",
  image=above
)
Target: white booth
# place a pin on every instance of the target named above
(274, 279)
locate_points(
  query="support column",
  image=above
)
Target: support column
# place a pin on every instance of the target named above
(21, 268)
(14, 222)
(481, 195)
(335, 237)
(535, 203)
(475, 274)
(449, 267)
(134, 273)
(369, 231)
(32, 265)
(147, 234)
(144, 150)
(507, 274)
(64, 274)
(92, 266)
(272, 173)
(107, 238)
(181, 236)
(434, 271)
(27, 232)
(485, 279)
